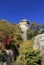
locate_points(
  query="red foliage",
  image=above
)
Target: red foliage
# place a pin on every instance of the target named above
(7, 40)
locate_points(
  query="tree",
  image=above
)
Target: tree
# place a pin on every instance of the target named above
(33, 30)
(33, 57)
(8, 30)
(10, 36)
(34, 26)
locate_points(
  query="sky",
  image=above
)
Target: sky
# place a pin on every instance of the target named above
(16, 10)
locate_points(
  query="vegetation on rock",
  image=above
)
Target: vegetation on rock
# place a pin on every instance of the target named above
(10, 37)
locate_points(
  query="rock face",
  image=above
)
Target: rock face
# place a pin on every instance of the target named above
(24, 27)
(39, 44)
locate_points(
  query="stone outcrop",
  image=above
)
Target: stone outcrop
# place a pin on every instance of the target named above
(24, 27)
(39, 44)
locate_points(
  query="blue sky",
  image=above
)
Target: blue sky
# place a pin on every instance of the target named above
(16, 10)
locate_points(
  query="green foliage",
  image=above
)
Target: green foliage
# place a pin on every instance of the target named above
(34, 26)
(27, 54)
(33, 30)
(10, 29)
(17, 34)
(33, 57)
(29, 34)
(1, 54)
